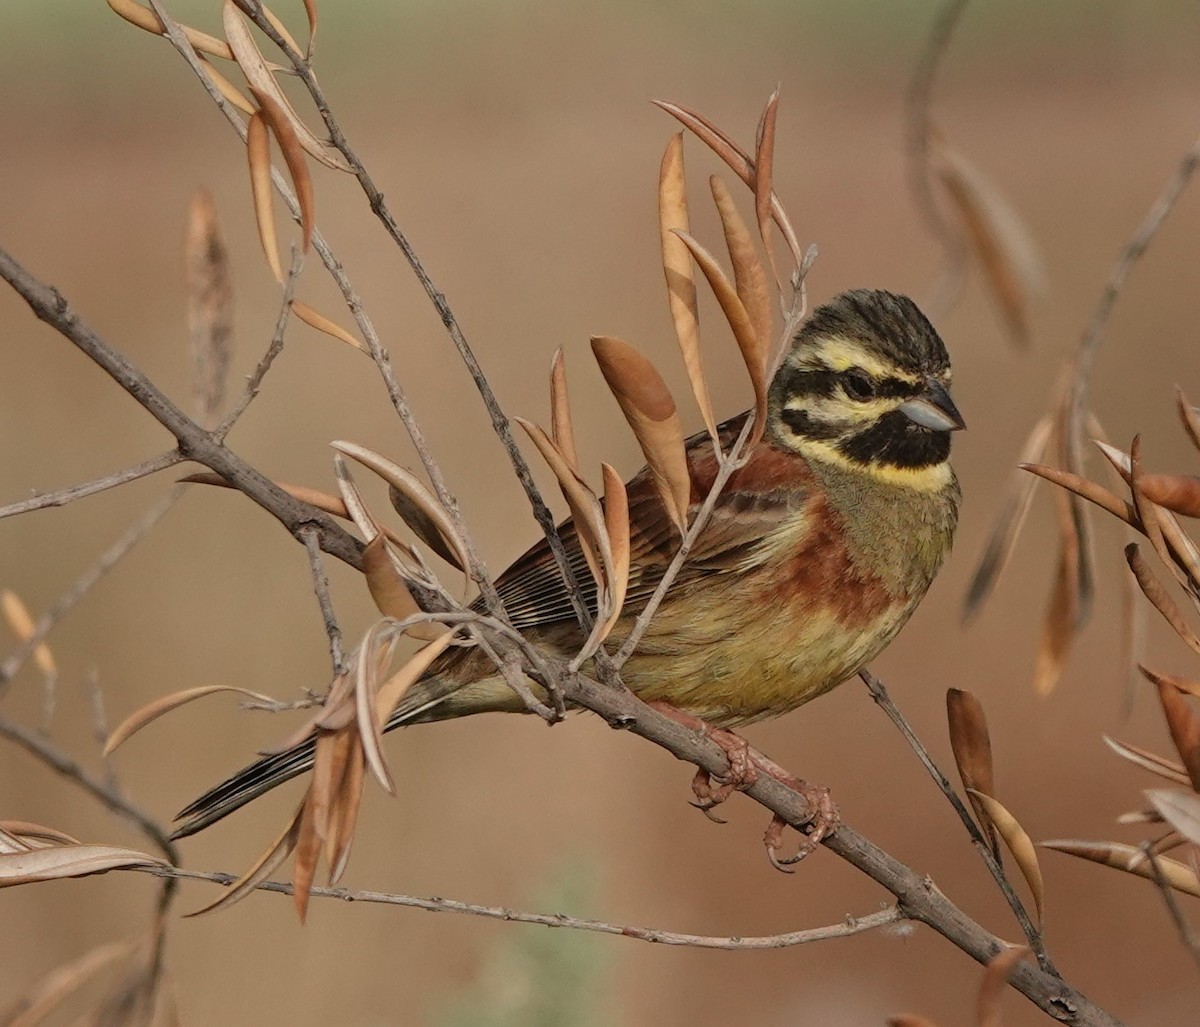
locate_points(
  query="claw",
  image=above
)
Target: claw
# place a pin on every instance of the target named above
(824, 819)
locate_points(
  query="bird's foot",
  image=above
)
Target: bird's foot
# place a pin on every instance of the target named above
(745, 766)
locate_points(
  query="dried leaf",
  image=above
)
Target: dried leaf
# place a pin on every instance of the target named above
(258, 152)
(310, 11)
(24, 830)
(373, 658)
(1178, 492)
(739, 163)
(317, 320)
(1179, 809)
(1019, 844)
(209, 307)
(1189, 416)
(1146, 510)
(1131, 859)
(1160, 765)
(153, 710)
(648, 407)
(997, 237)
(21, 624)
(304, 866)
(909, 1020)
(281, 28)
(616, 525)
(258, 74)
(387, 587)
(392, 690)
(1086, 489)
(1011, 519)
(1183, 724)
(561, 428)
(1192, 688)
(293, 156)
(64, 981)
(754, 351)
(677, 267)
(144, 18)
(228, 89)
(54, 862)
(749, 276)
(995, 980)
(263, 867)
(1153, 590)
(330, 760)
(972, 748)
(345, 811)
(411, 488)
(1063, 613)
(764, 164)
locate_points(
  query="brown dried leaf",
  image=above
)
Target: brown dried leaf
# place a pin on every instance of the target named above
(1089, 490)
(258, 74)
(1011, 519)
(373, 659)
(310, 11)
(995, 234)
(304, 866)
(263, 867)
(616, 525)
(153, 710)
(1183, 724)
(344, 816)
(677, 267)
(21, 624)
(258, 152)
(739, 163)
(24, 831)
(209, 306)
(64, 981)
(281, 28)
(393, 689)
(995, 980)
(1178, 492)
(387, 587)
(1131, 859)
(909, 1020)
(293, 156)
(144, 18)
(1189, 416)
(317, 320)
(1146, 510)
(754, 351)
(414, 491)
(764, 164)
(972, 748)
(1019, 844)
(228, 89)
(1160, 765)
(1179, 809)
(330, 760)
(749, 275)
(561, 428)
(1062, 615)
(647, 405)
(54, 862)
(1153, 590)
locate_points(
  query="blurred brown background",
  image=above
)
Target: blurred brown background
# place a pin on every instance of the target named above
(517, 148)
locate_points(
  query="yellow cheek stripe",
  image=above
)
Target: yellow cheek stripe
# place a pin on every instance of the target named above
(923, 479)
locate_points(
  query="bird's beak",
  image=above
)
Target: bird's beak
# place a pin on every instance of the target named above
(934, 409)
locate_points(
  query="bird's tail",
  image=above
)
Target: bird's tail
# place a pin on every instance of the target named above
(420, 704)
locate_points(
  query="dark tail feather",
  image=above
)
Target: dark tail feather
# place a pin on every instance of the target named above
(263, 775)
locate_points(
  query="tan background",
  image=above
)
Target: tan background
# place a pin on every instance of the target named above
(517, 147)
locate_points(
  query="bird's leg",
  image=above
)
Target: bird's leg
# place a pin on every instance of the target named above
(745, 765)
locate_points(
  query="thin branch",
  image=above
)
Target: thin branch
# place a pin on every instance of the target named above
(1033, 935)
(1186, 934)
(84, 583)
(321, 588)
(89, 488)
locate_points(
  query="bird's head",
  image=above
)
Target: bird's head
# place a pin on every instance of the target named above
(866, 385)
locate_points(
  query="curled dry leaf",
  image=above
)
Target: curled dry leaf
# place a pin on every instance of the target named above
(616, 525)
(764, 165)
(1063, 614)
(21, 624)
(1130, 859)
(749, 276)
(293, 157)
(258, 152)
(1018, 842)
(263, 867)
(412, 489)
(227, 89)
(304, 866)
(1179, 809)
(1183, 723)
(999, 241)
(1011, 519)
(754, 349)
(389, 591)
(374, 655)
(344, 814)
(153, 710)
(392, 690)
(1086, 489)
(209, 306)
(677, 267)
(26, 831)
(317, 320)
(1178, 492)
(647, 405)
(281, 28)
(562, 429)
(144, 18)
(258, 74)
(995, 978)
(54, 862)
(1159, 765)
(972, 748)
(1147, 511)
(1159, 598)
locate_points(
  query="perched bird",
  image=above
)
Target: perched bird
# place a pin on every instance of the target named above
(816, 554)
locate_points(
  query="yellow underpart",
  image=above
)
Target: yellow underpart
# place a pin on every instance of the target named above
(923, 479)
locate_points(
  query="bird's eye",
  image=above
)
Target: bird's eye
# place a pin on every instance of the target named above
(859, 386)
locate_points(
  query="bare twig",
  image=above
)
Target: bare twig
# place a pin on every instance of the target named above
(1033, 935)
(321, 588)
(89, 488)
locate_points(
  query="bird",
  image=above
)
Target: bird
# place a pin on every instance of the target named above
(817, 552)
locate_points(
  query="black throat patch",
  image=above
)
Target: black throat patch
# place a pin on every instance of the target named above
(898, 442)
